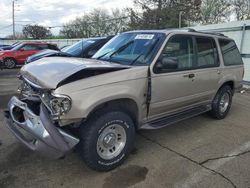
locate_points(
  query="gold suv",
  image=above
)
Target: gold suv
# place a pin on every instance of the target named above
(138, 80)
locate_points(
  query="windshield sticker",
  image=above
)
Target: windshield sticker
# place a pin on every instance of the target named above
(144, 36)
(90, 41)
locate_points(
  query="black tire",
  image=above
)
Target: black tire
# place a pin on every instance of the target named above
(9, 63)
(91, 131)
(216, 111)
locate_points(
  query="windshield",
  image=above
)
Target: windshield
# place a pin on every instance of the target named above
(77, 48)
(131, 48)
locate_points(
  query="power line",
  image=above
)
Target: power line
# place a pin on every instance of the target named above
(5, 27)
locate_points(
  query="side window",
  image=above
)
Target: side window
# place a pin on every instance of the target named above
(43, 46)
(180, 48)
(28, 47)
(230, 53)
(207, 55)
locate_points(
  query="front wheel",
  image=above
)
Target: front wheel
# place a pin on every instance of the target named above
(222, 102)
(106, 140)
(9, 63)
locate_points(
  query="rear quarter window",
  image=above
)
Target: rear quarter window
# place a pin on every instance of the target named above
(230, 53)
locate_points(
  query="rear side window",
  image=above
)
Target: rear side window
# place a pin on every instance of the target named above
(42, 46)
(230, 53)
(28, 47)
(207, 55)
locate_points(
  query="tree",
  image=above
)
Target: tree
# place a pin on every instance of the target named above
(241, 9)
(36, 32)
(99, 22)
(215, 11)
(160, 14)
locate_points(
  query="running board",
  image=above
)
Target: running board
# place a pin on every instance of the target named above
(168, 120)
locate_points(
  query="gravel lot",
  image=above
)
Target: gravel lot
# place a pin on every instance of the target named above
(199, 152)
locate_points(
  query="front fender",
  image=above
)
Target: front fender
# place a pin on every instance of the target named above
(85, 101)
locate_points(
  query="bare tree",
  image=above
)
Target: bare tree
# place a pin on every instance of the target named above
(215, 11)
(99, 22)
(241, 9)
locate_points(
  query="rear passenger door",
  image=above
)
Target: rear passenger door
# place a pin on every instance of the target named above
(207, 70)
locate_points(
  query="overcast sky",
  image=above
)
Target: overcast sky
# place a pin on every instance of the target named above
(50, 12)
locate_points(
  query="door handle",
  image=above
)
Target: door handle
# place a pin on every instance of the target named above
(189, 75)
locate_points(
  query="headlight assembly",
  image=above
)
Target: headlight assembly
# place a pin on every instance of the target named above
(60, 104)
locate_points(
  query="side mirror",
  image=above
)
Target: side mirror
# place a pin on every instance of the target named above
(167, 63)
(21, 50)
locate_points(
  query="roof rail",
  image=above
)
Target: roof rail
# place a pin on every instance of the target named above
(210, 33)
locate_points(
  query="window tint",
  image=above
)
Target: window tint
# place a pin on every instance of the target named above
(28, 47)
(207, 55)
(230, 52)
(181, 48)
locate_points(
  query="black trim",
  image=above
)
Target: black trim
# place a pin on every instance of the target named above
(195, 58)
(149, 91)
(176, 117)
(245, 55)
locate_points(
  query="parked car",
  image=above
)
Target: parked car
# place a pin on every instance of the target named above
(85, 48)
(3, 45)
(9, 47)
(18, 54)
(138, 80)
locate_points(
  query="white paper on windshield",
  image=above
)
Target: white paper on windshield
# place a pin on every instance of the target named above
(144, 36)
(90, 41)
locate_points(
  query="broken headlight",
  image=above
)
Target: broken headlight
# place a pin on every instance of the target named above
(60, 104)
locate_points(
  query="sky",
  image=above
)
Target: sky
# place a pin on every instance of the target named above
(50, 12)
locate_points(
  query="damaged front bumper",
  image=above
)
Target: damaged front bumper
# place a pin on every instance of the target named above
(38, 132)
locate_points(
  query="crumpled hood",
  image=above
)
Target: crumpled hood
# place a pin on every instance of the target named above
(50, 72)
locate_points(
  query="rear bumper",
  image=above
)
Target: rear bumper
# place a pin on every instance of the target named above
(38, 133)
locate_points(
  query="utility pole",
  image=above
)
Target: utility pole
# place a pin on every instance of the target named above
(13, 19)
(180, 14)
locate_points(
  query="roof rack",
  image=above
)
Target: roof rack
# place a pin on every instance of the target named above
(210, 33)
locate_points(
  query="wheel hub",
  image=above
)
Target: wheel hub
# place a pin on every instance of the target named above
(109, 140)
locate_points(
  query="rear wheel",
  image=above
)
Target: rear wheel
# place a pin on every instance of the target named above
(222, 102)
(10, 63)
(106, 140)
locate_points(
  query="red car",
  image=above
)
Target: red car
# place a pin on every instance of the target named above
(18, 54)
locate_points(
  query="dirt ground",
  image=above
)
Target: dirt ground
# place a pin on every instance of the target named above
(199, 152)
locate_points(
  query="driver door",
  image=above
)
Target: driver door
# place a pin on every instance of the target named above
(173, 89)
(26, 51)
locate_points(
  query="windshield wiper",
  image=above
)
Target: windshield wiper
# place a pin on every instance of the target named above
(148, 52)
(103, 55)
(122, 48)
